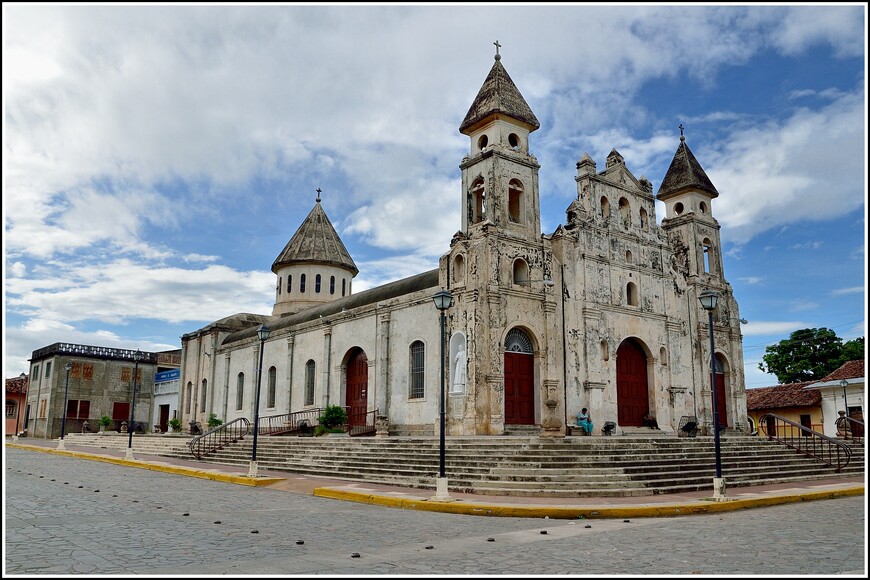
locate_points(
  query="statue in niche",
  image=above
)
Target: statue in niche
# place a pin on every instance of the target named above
(459, 369)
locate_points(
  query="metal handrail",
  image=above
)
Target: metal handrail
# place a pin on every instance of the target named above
(289, 422)
(806, 441)
(364, 427)
(849, 428)
(219, 437)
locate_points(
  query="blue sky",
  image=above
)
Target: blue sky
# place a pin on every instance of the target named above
(156, 159)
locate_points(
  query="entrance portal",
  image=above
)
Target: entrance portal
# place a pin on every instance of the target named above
(519, 379)
(632, 396)
(357, 387)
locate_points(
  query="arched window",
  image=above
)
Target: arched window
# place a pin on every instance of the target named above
(631, 294)
(317, 284)
(289, 282)
(625, 211)
(343, 285)
(418, 368)
(189, 397)
(482, 142)
(270, 398)
(515, 198)
(302, 283)
(644, 225)
(678, 208)
(708, 255)
(309, 382)
(663, 356)
(279, 285)
(202, 393)
(703, 207)
(478, 201)
(605, 207)
(459, 269)
(518, 341)
(628, 257)
(514, 141)
(240, 391)
(521, 272)
(605, 352)
(332, 284)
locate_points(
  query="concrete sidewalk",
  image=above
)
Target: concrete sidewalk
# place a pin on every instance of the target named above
(678, 504)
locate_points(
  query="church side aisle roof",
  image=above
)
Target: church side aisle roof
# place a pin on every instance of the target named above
(685, 173)
(499, 94)
(315, 241)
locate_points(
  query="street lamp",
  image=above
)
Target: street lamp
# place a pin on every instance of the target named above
(21, 399)
(709, 300)
(844, 383)
(443, 300)
(263, 333)
(137, 356)
(60, 444)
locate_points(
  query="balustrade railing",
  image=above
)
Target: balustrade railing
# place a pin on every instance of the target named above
(806, 441)
(361, 423)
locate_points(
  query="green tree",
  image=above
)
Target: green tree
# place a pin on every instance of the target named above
(809, 354)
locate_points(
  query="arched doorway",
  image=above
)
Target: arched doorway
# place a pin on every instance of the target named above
(721, 392)
(519, 379)
(632, 397)
(356, 393)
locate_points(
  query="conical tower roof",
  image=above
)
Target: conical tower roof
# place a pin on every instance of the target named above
(685, 173)
(499, 95)
(316, 241)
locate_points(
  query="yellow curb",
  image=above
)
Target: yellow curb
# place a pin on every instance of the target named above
(591, 512)
(189, 471)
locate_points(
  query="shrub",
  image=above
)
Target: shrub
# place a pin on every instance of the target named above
(332, 417)
(213, 421)
(175, 424)
(105, 420)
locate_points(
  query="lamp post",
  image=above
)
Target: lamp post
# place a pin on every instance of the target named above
(137, 356)
(443, 300)
(844, 383)
(21, 399)
(262, 333)
(709, 300)
(60, 444)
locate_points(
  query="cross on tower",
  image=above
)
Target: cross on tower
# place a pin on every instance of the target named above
(318, 194)
(497, 46)
(681, 129)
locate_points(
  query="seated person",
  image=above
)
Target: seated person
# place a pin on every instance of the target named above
(584, 421)
(650, 421)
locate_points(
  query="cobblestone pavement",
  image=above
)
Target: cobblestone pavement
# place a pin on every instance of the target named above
(66, 515)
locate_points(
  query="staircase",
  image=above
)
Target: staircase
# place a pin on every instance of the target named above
(518, 465)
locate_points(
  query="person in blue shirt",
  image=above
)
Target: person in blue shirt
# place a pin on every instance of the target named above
(584, 421)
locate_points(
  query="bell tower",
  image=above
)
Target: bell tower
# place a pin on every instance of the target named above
(500, 176)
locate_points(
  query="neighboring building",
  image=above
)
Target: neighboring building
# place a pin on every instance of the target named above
(100, 382)
(16, 391)
(844, 386)
(601, 313)
(166, 393)
(792, 401)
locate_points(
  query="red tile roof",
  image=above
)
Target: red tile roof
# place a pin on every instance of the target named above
(16, 385)
(780, 396)
(852, 369)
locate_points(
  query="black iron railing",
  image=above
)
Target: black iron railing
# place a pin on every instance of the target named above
(301, 421)
(361, 423)
(219, 437)
(806, 441)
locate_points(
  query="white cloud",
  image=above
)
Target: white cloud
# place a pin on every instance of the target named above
(844, 291)
(772, 328)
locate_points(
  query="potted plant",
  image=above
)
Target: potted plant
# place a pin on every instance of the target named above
(175, 424)
(105, 421)
(332, 420)
(213, 421)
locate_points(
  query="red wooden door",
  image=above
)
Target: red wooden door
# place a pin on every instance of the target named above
(519, 380)
(632, 396)
(720, 400)
(357, 388)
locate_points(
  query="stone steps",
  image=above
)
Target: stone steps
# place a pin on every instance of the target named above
(516, 465)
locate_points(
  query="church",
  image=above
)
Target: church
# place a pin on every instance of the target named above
(603, 313)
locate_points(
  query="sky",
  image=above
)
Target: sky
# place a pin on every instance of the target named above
(157, 158)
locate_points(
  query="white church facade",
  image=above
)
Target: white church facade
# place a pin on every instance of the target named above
(603, 313)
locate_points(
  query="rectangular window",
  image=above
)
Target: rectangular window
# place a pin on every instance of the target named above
(10, 408)
(270, 401)
(202, 397)
(417, 370)
(806, 421)
(42, 405)
(34, 374)
(309, 382)
(78, 409)
(121, 411)
(48, 369)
